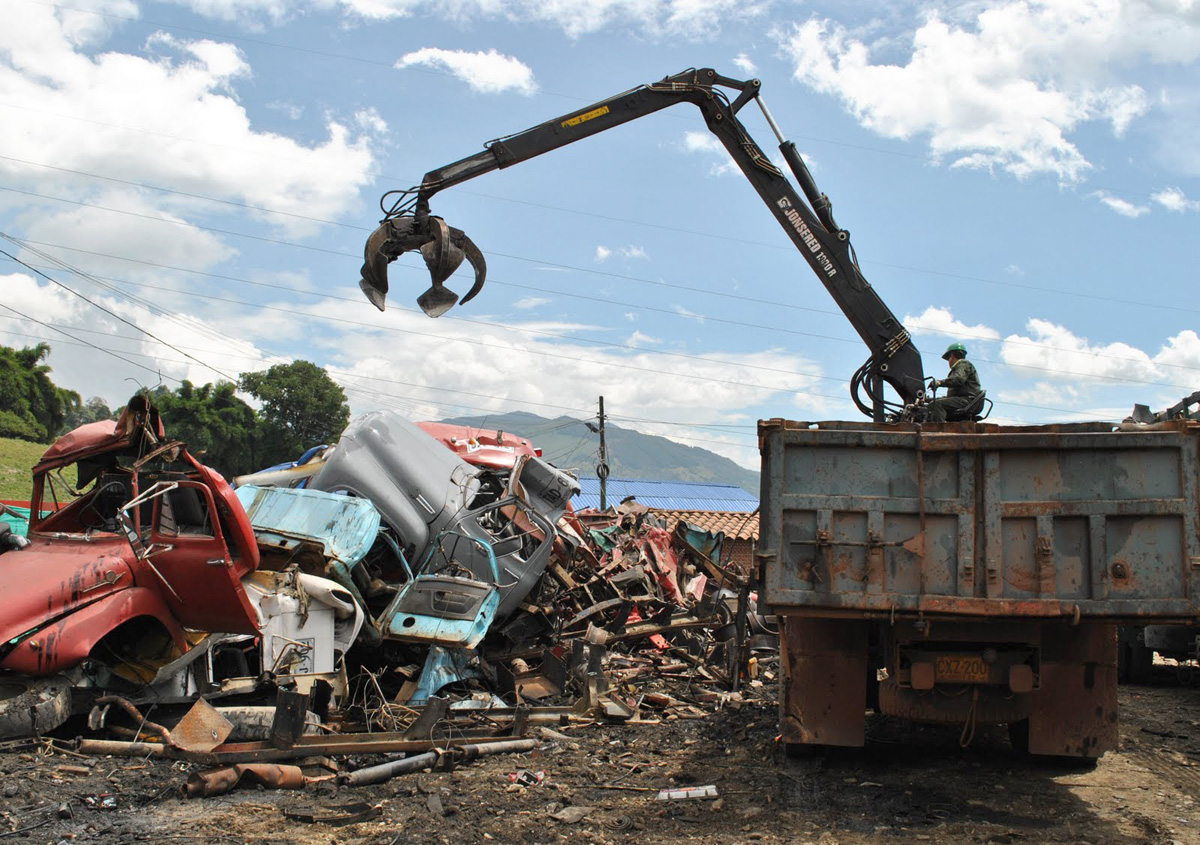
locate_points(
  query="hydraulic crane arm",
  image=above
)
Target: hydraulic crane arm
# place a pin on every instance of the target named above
(825, 246)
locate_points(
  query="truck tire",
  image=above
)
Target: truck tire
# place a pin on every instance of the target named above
(32, 706)
(939, 708)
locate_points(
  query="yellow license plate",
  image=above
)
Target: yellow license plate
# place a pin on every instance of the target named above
(968, 669)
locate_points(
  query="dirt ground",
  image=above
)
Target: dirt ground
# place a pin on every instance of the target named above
(909, 784)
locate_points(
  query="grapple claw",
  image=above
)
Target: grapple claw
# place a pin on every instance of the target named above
(443, 248)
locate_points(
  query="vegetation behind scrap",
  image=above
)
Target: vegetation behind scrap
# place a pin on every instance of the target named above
(299, 406)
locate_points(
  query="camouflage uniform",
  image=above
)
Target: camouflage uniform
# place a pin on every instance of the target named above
(962, 388)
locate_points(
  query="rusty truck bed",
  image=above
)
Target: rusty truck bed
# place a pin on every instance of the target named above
(977, 520)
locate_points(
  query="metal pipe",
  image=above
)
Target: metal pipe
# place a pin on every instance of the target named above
(105, 747)
(486, 749)
(387, 771)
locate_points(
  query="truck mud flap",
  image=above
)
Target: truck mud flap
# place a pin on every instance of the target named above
(1075, 709)
(823, 699)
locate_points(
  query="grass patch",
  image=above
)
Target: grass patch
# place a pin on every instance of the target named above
(17, 457)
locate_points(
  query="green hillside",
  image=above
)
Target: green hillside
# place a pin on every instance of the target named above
(17, 457)
(567, 443)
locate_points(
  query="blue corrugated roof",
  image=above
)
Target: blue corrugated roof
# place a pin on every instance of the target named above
(667, 495)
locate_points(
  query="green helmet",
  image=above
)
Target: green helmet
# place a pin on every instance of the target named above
(952, 348)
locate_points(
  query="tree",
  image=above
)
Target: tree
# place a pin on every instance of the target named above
(218, 427)
(301, 407)
(81, 413)
(32, 407)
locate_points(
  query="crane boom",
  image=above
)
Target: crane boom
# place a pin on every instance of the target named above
(808, 221)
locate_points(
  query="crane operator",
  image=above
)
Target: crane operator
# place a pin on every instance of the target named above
(962, 384)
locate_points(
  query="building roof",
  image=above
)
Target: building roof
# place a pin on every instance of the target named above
(735, 525)
(667, 495)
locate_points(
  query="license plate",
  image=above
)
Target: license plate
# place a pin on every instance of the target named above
(968, 669)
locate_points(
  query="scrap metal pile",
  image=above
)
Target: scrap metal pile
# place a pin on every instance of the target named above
(411, 589)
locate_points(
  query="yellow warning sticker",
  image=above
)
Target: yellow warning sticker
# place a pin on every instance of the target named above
(586, 116)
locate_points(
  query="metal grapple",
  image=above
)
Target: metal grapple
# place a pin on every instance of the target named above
(443, 247)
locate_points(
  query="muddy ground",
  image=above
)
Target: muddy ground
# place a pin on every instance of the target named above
(909, 784)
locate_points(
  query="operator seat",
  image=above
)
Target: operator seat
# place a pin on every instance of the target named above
(971, 412)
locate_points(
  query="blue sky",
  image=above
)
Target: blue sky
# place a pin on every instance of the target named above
(1023, 177)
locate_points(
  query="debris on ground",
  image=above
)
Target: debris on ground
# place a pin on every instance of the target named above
(350, 638)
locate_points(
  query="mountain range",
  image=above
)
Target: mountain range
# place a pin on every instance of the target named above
(569, 444)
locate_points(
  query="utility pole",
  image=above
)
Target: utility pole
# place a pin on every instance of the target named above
(602, 467)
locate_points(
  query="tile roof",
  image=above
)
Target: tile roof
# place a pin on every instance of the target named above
(734, 524)
(667, 495)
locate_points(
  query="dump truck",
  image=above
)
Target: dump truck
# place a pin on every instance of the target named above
(971, 573)
(949, 572)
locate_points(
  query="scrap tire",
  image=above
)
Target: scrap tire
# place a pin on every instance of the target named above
(32, 706)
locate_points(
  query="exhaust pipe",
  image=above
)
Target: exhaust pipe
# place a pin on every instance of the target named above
(443, 247)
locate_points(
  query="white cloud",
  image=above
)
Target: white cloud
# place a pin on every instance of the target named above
(147, 231)
(169, 119)
(530, 302)
(743, 63)
(1182, 350)
(242, 10)
(692, 19)
(603, 253)
(1173, 199)
(496, 360)
(934, 320)
(1002, 85)
(688, 313)
(486, 72)
(370, 120)
(1120, 206)
(639, 339)
(1014, 270)
(1060, 354)
(695, 141)
(1043, 394)
(78, 355)
(291, 110)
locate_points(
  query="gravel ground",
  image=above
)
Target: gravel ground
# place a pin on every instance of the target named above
(911, 783)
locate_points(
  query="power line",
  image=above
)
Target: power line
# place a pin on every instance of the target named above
(657, 282)
(351, 375)
(96, 305)
(386, 399)
(78, 341)
(631, 347)
(591, 270)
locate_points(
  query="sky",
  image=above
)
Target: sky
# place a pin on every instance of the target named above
(186, 188)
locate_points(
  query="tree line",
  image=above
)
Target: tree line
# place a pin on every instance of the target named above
(299, 406)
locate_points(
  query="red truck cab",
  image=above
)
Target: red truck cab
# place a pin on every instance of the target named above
(132, 543)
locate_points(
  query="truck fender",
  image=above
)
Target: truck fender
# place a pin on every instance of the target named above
(67, 641)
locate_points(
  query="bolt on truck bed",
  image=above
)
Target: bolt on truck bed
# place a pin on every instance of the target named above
(972, 558)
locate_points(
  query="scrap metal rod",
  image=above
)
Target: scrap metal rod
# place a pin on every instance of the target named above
(387, 771)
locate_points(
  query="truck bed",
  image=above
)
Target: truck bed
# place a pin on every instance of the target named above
(980, 521)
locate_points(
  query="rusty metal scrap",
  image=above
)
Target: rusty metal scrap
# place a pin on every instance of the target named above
(219, 781)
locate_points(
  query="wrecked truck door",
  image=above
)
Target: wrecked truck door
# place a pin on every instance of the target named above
(186, 552)
(443, 602)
